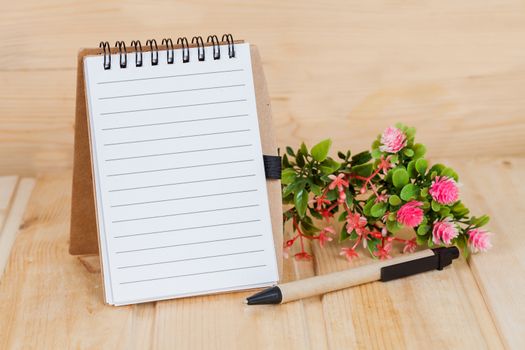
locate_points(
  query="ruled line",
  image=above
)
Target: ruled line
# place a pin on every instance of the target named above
(195, 274)
(175, 122)
(170, 76)
(177, 137)
(181, 183)
(185, 213)
(190, 259)
(185, 244)
(172, 91)
(188, 228)
(182, 167)
(173, 107)
(180, 152)
(182, 198)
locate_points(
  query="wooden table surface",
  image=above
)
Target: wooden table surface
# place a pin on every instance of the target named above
(339, 69)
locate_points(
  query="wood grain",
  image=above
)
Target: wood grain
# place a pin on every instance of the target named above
(339, 69)
(14, 196)
(50, 299)
(496, 187)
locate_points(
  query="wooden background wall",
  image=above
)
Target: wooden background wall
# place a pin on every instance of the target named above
(338, 68)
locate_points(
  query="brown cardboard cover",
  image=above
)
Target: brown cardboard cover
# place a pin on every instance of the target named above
(83, 233)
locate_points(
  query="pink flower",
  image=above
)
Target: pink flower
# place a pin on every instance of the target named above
(338, 181)
(324, 236)
(385, 164)
(381, 198)
(444, 190)
(319, 202)
(479, 240)
(410, 214)
(356, 222)
(303, 256)
(444, 231)
(383, 252)
(410, 246)
(393, 140)
(348, 253)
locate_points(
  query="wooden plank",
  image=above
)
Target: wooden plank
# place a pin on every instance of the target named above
(495, 187)
(451, 68)
(433, 309)
(14, 217)
(49, 299)
(7, 188)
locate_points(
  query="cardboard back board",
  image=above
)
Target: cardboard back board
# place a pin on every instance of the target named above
(83, 231)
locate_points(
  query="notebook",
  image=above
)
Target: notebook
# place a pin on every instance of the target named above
(181, 201)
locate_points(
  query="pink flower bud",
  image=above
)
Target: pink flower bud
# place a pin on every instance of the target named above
(410, 214)
(393, 140)
(444, 190)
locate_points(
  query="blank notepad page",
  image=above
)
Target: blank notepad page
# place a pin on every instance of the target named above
(182, 207)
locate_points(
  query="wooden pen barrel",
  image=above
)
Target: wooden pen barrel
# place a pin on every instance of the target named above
(343, 279)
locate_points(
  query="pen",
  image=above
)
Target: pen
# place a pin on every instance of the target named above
(386, 270)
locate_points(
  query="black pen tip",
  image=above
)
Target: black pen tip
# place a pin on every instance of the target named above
(271, 295)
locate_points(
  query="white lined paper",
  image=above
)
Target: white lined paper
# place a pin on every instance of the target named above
(181, 195)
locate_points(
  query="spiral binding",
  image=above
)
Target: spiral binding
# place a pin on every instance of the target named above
(196, 41)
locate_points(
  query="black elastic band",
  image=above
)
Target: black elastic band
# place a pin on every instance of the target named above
(272, 167)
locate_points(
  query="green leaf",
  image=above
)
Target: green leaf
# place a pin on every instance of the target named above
(316, 189)
(363, 169)
(421, 166)
(294, 187)
(342, 216)
(341, 155)
(303, 149)
(300, 159)
(462, 242)
(308, 227)
(424, 192)
(444, 211)
(411, 169)
(361, 158)
(419, 150)
(332, 195)
(481, 221)
(376, 153)
(408, 152)
(421, 240)
(435, 206)
(400, 177)
(378, 209)
(422, 230)
(290, 151)
(392, 217)
(301, 202)
(393, 226)
(343, 235)
(288, 176)
(410, 132)
(409, 191)
(320, 151)
(449, 172)
(329, 166)
(437, 168)
(286, 162)
(394, 200)
(368, 206)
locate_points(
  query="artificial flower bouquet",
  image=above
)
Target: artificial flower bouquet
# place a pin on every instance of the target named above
(376, 194)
